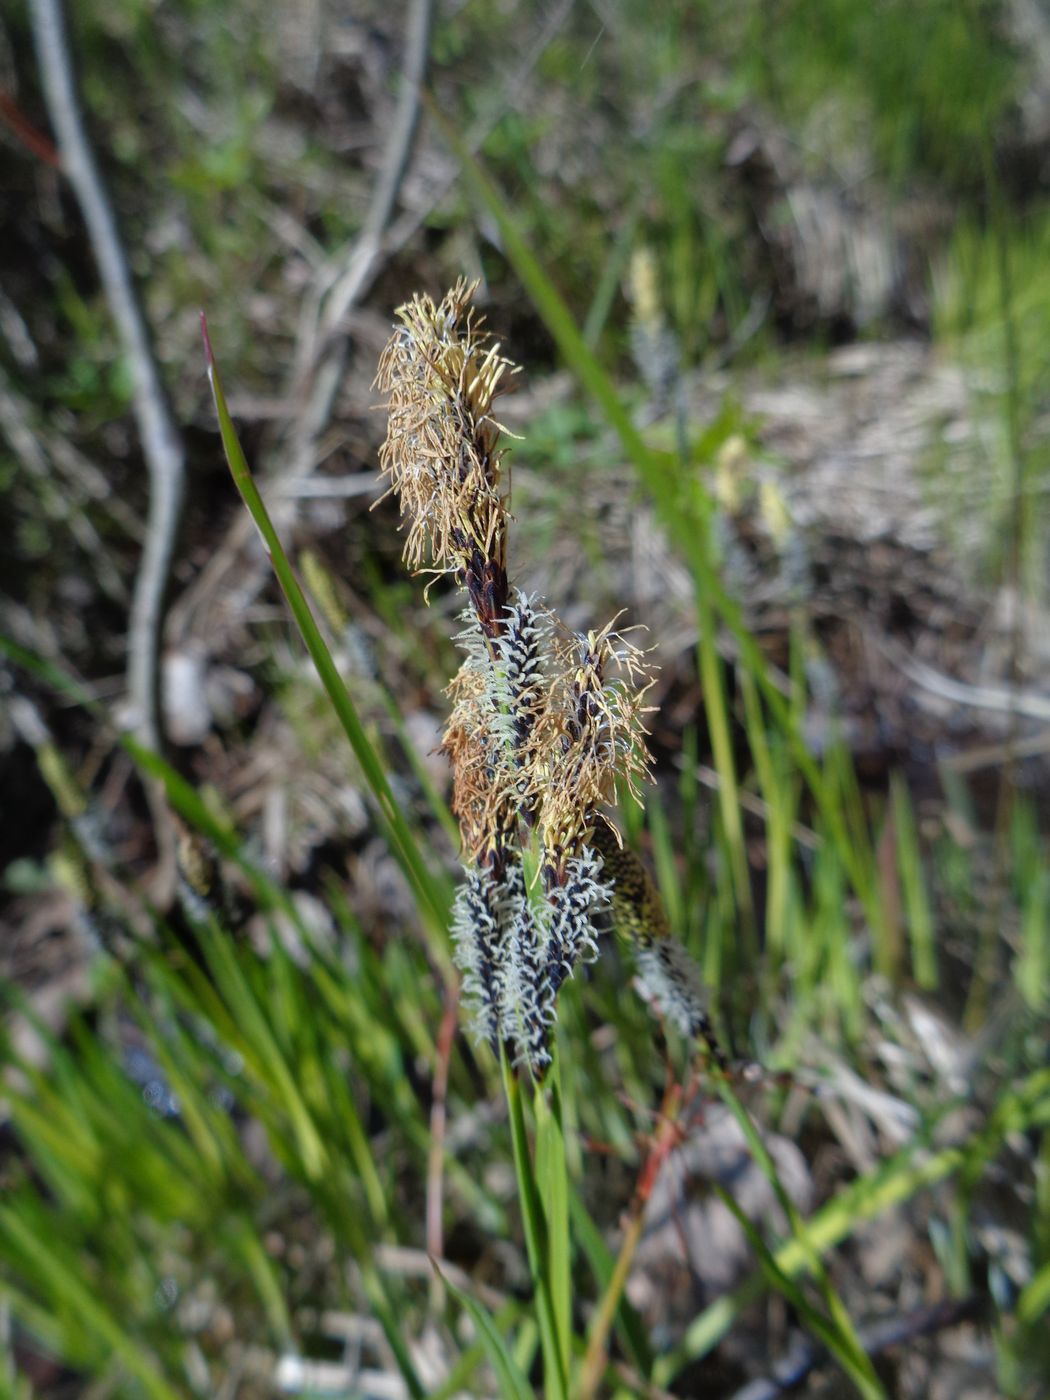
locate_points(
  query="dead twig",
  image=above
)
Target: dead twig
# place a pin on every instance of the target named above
(321, 353)
(339, 286)
(161, 444)
(1019, 704)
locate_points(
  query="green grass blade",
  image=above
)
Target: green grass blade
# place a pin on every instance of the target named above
(67, 1284)
(513, 1385)
(265, 1052)
(716, 706)
(458, 1380)
(916, 902)
(826, 1331)
(666, 867)
(840, 1336)
(779, 815)
(260, 1268)
(431, 892)
(1035, 1297)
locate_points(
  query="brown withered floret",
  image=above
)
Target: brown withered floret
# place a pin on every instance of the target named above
(591, 735)
(442, 372)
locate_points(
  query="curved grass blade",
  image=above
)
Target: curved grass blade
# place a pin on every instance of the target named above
(892, 1183)
(431, 892)
(513, 1385)
(854, 1361)
(69, 1285)
(837, 1330)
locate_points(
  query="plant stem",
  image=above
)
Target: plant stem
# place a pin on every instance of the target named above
(554, 1184)
(535, 1225)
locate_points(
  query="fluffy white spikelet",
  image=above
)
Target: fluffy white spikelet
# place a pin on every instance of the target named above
(497, 716)
(522, 647)
(669, 980)
(577, 907)
(526, 999)
(472, 640)
(479, 916)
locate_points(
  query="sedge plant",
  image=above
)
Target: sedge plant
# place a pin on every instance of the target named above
(546, 727)
(292, 1029)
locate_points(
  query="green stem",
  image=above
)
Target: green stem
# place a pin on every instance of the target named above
(554, 1187)
(535, 1225)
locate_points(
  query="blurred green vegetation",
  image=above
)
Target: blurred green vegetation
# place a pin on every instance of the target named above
(229, 1141)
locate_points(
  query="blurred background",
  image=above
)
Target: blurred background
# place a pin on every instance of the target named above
(805, 247)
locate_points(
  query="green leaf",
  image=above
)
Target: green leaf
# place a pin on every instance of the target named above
(68, 1286)
(432, 892)
(837, 1330)
(513, 1385)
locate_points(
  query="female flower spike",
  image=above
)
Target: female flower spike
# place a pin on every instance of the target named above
(544, 724)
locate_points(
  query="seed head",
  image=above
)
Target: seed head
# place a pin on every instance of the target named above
(545, 723)
(442, 372)
(591, 735)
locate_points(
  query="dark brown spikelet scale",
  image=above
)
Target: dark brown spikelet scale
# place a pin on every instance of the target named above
(638, 911)
(204, 892)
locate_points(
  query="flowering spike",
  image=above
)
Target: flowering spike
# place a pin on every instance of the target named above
(483, 908)
(578, 905)
(593, 734)
(669, 980)
(441, 453)
(544, 724)
(526, 994)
